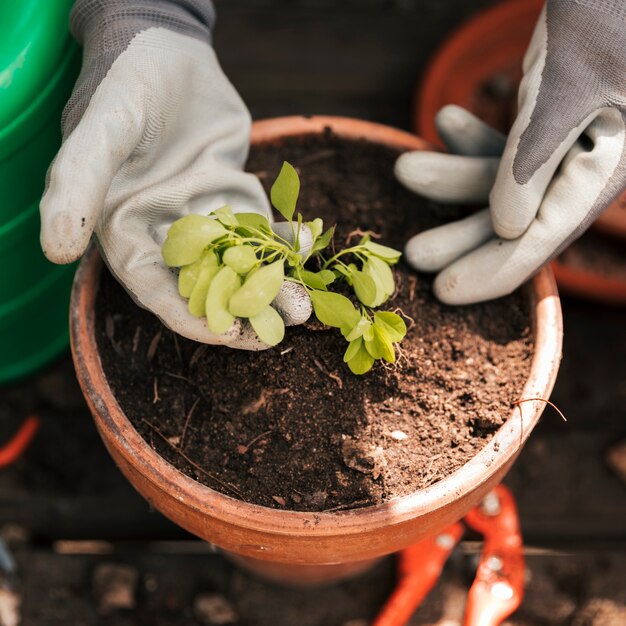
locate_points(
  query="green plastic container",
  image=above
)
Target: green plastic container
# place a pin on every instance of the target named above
(39, 63)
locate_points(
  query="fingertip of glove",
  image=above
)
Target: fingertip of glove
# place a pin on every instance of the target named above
(446, 288)
(413, 170)
(453, 117)
(293, 304)
(64, 238)
(420, 255)
(508, 229)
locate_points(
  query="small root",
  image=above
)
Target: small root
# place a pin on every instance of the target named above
(316, 157)
(556, 408)
(347, 506)
(361, 233)
(136, 338)
(193, 464)
(518, 404)
(177, 346)
(180, 377)
(330, 375)
(199, 353)
(244, 448)
(187, 420)
(412, 287)
(154, 344)
(155, 388)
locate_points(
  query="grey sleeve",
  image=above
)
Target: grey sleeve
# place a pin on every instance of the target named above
(106, 27)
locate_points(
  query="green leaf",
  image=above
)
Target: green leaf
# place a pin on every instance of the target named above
(323, 240)
(392, 324)
(334, 310)
(359, 329)
(188, 275)
(240, 258)
(226, 216)
(222, 287)
(312, 279)
(364, 287)
(260, 288)
(316, 227)
(352, 349)
(188, 237)
(285, 190)
(380, 346)
(327, 276)
(197, 299)
(340, 270)
(296, 244)
(269, 326)
(252, 220)
(361, 362)
(382, 276)
(384, 252)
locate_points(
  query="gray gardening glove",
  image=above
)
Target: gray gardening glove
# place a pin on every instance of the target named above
(564, 160)
(153, 131)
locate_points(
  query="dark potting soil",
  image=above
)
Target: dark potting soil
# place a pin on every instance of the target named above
(291, 427)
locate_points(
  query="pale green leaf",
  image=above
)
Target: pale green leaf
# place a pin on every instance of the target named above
(222, 287)
(296, 244)
(334, 310)
(382, 276)
(197, 299)
(361, 362)
(380, 346)
(384, 252)
(392, 323)
(285, 190)
(312, 279)
(188, 275)
(364, 287)
(260, 288)
(188, 237)
(269, 326)
(240, 258)
(323, 240)
(381, 273)
(252, 220)
(327, 276)
(359, 330)
(352, 349)
(226, 216)
(316, 227)
(340, 270)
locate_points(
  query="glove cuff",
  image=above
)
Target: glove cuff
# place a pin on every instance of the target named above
(109, 25)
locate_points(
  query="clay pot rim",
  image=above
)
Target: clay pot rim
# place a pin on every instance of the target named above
(501, 449)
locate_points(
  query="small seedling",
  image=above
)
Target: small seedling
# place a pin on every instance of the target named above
(232, 265)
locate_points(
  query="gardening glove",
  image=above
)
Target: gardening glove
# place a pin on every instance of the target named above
(564, 160)
(152, 132)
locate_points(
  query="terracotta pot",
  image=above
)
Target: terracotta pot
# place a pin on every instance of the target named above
(302, 542)
(479, 67)
(589, 285)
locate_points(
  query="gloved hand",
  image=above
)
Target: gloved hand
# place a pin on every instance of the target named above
(153, 131)
(564, 160)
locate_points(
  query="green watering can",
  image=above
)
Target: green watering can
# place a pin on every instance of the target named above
(39, 63)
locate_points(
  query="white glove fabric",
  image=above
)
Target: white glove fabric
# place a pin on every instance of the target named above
(563, 163)
(161, 135)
